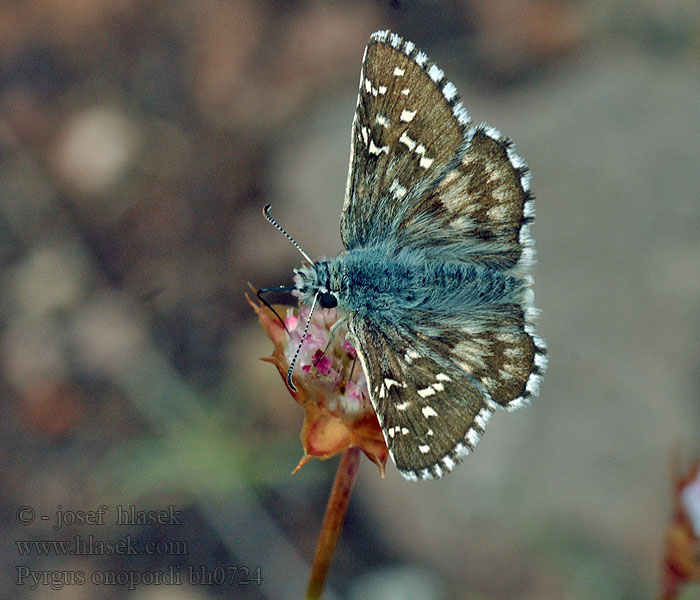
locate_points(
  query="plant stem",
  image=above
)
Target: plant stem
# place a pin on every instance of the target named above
(671, 584)
(333, 521)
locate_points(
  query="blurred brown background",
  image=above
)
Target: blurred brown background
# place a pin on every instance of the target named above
(138, 144)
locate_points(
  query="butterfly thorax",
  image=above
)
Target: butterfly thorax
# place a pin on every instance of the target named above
(372, 281)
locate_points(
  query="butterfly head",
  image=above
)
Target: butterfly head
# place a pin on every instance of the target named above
(315, 281)
(318, 278)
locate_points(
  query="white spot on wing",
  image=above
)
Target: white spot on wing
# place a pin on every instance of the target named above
(399, 191)
(461, 113)
(424, 393)
(399, 72)
(426, 162)
(404, 139)
(407, 115)
(374, 149)
(436, 74)
(515, 404)
(405, 91)
(389, 382)
(424, 449)
(482, 417)
(449, 91)
(428, 411)
(442, 377)
(403, 405)
(533, 386)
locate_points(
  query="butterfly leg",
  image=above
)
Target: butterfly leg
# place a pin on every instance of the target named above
(331, 333)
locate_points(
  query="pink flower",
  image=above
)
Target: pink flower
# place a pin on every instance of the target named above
(331, 384)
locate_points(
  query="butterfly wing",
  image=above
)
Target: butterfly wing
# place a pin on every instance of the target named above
(409, 129)
(480, 212)
(435, 386)
(431, 415)
(421, 176)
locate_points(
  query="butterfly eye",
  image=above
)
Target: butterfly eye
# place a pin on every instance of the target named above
(328, 300)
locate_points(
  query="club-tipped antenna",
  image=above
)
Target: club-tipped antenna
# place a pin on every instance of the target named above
(266, 212)
(296, 352)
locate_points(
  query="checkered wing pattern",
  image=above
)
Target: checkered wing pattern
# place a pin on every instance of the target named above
(432, 414)
(434, 387)
(409, 129)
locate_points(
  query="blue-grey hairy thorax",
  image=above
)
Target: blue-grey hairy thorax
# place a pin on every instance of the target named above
(435, 281)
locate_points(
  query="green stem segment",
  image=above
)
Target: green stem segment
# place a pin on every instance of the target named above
(333, 521)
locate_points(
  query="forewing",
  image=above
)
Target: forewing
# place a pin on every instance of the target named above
(434, 388)
(480, 212)
(431, 414)
(409, 129)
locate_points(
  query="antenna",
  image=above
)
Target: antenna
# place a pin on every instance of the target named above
(266, 212)
(303, 337)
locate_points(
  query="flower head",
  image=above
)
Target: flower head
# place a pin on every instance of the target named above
(682, 563)
(331, 384)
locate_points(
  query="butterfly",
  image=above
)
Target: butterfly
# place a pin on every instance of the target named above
(434, 280)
